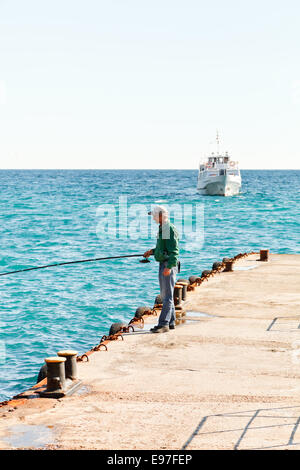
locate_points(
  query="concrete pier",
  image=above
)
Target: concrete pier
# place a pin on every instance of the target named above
(230, 380)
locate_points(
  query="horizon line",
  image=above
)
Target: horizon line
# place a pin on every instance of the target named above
(138, 169)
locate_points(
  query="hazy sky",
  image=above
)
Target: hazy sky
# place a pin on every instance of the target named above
(145, 84)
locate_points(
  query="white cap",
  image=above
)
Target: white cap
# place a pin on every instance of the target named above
(156, 210)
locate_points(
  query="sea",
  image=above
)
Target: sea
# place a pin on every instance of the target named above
(53, 216)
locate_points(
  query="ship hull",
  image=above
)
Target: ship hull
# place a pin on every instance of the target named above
(220, 186)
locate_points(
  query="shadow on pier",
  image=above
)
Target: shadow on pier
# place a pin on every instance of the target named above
(273, 428)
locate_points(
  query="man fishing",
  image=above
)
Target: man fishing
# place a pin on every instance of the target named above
(166, 253)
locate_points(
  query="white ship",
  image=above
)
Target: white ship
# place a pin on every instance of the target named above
(219, 175)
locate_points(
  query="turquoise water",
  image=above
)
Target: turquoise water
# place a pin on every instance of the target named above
(50, 216)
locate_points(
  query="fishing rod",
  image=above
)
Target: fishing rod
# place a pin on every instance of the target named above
(145, 260)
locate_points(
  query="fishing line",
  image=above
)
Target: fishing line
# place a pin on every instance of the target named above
(74, 262)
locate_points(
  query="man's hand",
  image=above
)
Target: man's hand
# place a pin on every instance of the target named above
(148, 253)
(166, 272)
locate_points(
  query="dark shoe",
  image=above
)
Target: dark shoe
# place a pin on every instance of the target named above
(171, 327)
(161, 329)
(154, 328)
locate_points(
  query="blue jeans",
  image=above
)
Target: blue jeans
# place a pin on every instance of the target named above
(167, 283)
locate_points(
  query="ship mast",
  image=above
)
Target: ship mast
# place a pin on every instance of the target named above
(218, 142)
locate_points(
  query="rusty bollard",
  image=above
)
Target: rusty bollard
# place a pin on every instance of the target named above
(264, 255)
(228, 266)
(184, 283)
(70, 363)
(56, 378)
(177, 295)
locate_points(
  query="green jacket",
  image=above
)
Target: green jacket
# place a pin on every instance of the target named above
(167, 245)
